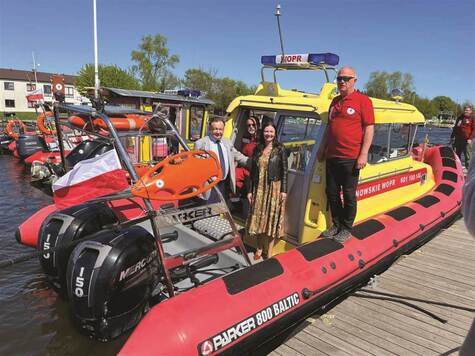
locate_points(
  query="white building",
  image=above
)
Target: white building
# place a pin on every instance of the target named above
(15, 84)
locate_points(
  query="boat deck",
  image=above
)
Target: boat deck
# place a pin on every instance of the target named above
(441, 273)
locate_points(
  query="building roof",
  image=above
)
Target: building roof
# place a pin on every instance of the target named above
(27, 76)
(160, 96)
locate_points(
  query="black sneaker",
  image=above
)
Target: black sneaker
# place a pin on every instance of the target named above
(342, 236)
(331, 231)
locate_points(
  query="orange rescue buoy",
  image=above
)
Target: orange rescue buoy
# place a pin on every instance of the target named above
(11, 124)
(130, 122)
(182, 176)
(40, 122)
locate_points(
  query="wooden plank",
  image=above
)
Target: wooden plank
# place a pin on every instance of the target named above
(423, 337)
(440, 271)
(423, 346)
(320, 345)
(344, 323)
(438, 284)
(410, 321)
(425, 293)
(284, 350)
(316, 329)
(465, 300)
(448, 260)
(408, 272)
(371, 326)
(351, 338)
(300, 347)
(458, 331)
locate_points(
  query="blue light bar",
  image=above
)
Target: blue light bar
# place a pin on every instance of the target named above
(330, 59)
(268, 60)
(189, 92)
(301, 59)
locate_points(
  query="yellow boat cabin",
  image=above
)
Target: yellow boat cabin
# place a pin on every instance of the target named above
(392, 176)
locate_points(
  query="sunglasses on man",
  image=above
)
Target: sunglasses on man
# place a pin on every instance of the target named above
(344, 78)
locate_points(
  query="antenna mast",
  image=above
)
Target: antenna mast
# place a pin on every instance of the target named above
(277, 15)
(96, 65)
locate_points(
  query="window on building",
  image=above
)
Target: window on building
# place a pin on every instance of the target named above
(69, 92)
(9, 103)
(31, 104)
(30, 86)
(47, 89)
(298, 133)
(197, 114)
(9, 85)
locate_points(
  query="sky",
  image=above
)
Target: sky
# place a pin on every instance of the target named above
(434, 40)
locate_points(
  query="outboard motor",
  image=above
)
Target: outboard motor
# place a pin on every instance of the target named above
(87, 149)
(5, 140)
(110, 281)
(29, 144)
(62, 229)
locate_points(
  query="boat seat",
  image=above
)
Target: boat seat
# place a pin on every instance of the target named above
(215, 227)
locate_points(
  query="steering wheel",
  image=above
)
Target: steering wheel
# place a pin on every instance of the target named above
(182, 176)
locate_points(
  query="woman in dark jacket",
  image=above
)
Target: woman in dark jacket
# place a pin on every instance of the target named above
(267, 191)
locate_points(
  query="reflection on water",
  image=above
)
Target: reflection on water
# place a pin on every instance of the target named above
(34, 320)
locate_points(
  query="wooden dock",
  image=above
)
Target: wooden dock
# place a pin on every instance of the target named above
(369, 322)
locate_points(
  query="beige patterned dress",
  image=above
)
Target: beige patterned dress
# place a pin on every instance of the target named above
(267, 211)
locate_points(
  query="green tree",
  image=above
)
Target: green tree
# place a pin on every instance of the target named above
(444, 103)
(109, 76)
(225, 90)
(200, 79)
(153, 62)
(221, 90)
(380, 84)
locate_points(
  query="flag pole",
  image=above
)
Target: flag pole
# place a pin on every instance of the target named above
(96, 65)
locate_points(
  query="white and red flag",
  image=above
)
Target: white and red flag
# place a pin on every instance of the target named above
(91, 178)
(34, 95)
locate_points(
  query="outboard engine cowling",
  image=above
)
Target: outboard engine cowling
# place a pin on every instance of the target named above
(28, 144)
(110, 281)
(87, 149)
(62, 229)
(5, 140)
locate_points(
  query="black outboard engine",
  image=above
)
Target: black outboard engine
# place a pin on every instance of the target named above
(87, 149)
(110, 281)
(5, 140)
(29, 144)
(62, 229)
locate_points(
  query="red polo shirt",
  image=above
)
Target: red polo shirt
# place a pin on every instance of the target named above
(346, 119)
(464, 128)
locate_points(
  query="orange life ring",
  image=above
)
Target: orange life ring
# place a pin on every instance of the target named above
(40, 122)
(78, 121)
(130, 122)
(11, 124)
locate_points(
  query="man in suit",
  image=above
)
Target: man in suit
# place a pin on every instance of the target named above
(228, 156)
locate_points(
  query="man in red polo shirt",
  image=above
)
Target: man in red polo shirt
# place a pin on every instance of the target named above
(345, 146)
(462, 134)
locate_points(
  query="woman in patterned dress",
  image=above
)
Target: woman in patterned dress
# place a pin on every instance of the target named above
(267, 190)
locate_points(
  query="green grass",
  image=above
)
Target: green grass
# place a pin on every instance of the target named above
(24, 116)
